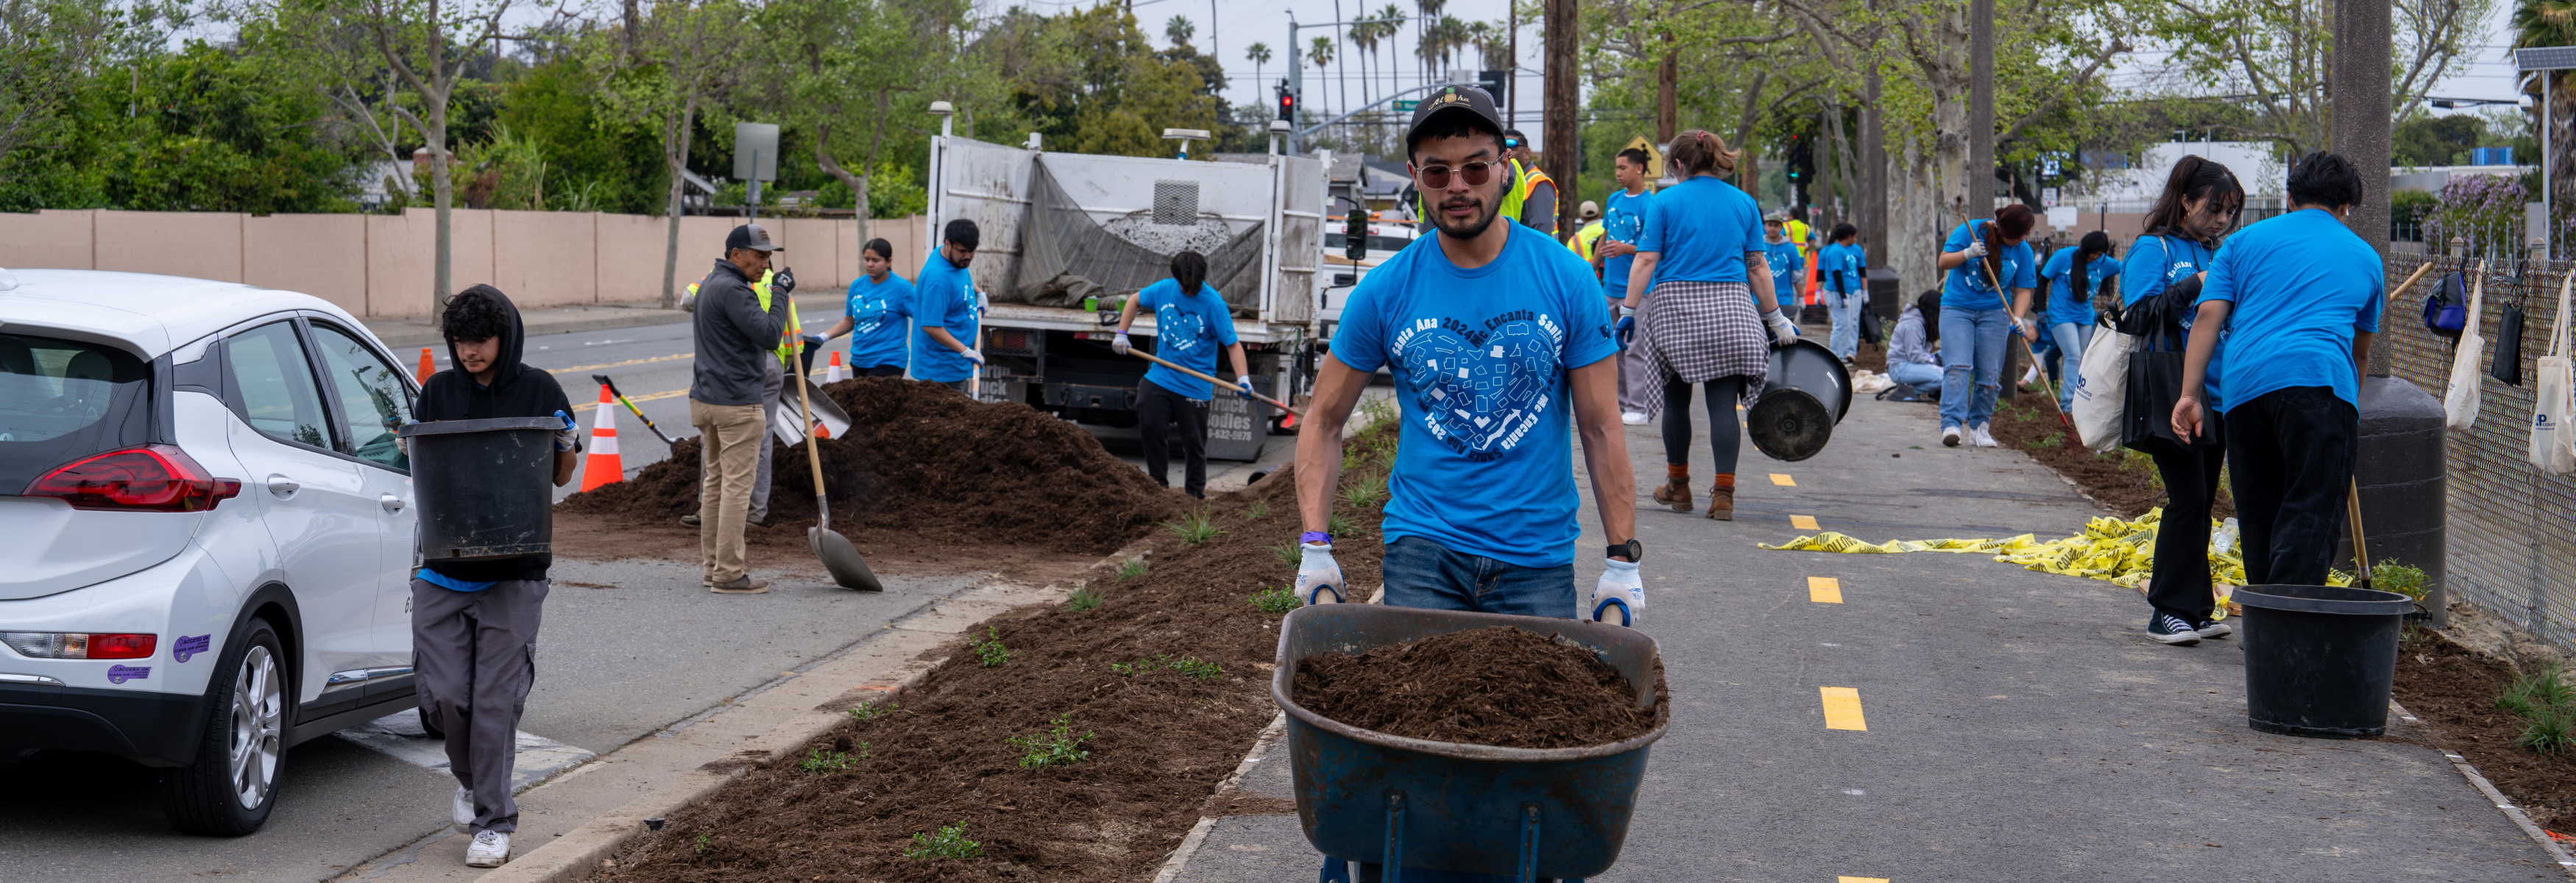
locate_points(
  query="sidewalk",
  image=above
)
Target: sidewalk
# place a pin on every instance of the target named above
(2019, 725)
(820, 309)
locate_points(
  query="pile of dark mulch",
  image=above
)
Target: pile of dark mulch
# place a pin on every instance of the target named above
(1159, 740)
(2122, 481)
(2453, 691)
(1492, 686)
(926, 464)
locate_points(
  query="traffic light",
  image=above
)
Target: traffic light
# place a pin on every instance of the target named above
(1287, 103)
(1355, 233)
(1802, 162)
(1493, 83)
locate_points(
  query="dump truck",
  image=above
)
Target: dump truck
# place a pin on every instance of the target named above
(1066, 237)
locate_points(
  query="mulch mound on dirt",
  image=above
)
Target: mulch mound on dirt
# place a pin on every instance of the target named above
(2123, 481)
(923, 461)
(1500, 686)
(2453, 691)
(1160, 689)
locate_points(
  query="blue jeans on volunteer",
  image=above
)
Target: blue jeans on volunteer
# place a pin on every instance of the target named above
(1976, 321)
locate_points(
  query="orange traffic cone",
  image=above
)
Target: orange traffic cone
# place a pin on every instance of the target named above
(427, 367)
(602, 466)
(833, 374)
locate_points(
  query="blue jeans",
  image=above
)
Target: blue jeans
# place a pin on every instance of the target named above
(1420, 573)
(1971, 341)
(1926, 379)
(2071, 341)
(1848, 310)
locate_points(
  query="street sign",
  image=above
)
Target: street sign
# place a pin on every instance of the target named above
(2048, 196)
(1407, 105)
(755, 151)
(1654, 156)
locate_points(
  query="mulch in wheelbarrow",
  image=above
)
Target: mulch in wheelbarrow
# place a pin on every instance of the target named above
(1500, 686)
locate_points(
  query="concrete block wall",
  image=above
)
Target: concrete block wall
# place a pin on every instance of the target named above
(381, 266)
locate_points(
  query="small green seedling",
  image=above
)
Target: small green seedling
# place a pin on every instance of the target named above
(1058, 745)
(1083, 599)
(1364, 494)
(818, 760)
(951, 843)
(1260, 510)
(872, 711)
(1193, 667)
(1278, 600)
(703, 840)
(1131, 569)
(1340, 525)
(2389, 576)
(1196, 529)
(1289, 554)
(2047, 442)
(989, 649)
(2551, 731)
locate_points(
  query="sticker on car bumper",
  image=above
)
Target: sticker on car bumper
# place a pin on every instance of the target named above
(118, 674)
(189, 645)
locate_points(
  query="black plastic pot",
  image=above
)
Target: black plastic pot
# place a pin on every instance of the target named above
(484, 487)
(2319, 660)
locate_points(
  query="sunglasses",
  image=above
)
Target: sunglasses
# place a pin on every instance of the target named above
(1437, 177)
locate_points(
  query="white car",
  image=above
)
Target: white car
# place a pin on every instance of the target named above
(209, 530)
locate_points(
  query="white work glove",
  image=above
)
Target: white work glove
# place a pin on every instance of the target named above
(1620, 592)
(1976, 248)
(567, 439)
(972, 356)
(1120, 345)
(1782, 329)
(1319, 577)
(1243, 384)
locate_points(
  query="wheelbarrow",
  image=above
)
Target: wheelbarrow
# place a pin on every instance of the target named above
(1526, 813)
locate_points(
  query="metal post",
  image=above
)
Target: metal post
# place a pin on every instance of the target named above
(1296, 82)
(751, 212)
(2548, 194)
(1393, 865)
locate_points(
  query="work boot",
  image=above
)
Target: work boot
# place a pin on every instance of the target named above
(1675, 493)
(742, 585)
(690, 520)
(1721, 502)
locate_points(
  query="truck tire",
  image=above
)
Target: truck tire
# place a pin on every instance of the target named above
(231, 787)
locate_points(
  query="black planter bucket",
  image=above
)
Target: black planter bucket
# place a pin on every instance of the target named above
(2319, 659)
(485, 487)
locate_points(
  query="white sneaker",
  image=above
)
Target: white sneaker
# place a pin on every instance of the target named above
(1981, 438)
(463, 809)
(490, 849)
(1950, 436)
(1633, 418)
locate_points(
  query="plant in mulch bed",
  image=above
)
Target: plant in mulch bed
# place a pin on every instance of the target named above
(818, 760)
(951, 843)
(1083, 598)
(1058, 745)
(2389, 576)
(2542, 697)
(2124, 481)
(1278, 600)
(1130, 569)
(872, 711)
(989, 649)
(1196, 528)
(1200, 669)
(2460, 696)
(1289, 554)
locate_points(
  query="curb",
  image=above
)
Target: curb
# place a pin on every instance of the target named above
(1180, 859)
(2566, 861)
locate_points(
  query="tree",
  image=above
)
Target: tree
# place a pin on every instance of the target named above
(1258, 54)
(686, 54)
(849, 66)
(1392, 19)
(1090, 81)
(1179, 30)
(2276, 55)
(2539, 23)
(1321, 54)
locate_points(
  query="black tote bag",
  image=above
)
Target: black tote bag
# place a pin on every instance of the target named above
(2507, 366)
(2154, 384)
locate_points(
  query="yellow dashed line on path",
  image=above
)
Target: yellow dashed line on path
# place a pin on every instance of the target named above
(1842, 708)
(1783, 480)
(1803, 522)
(1824, 590)
(1860, 880)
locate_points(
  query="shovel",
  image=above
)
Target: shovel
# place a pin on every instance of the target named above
(842, 559)
(2062, 419)
(1275, 403)
(630, 406)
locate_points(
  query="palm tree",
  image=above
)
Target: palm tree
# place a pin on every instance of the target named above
(1179, 30)
(1364, 35)
(1425, 42)
(1259, 55)
(1394, 19)
(2553, 23)
(1321, 53)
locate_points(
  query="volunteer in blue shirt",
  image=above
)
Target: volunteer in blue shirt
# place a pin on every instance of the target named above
(1623, 219)
(1702, 259)
(946, 311)
(1500, 346)
(1784, 257)
(2300, 296)
(1191, 323)
(880, 303)
(2200, 201)
(1975, 317)
(1842, 274)
(2073, 274)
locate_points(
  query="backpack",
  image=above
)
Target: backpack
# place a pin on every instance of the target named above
(2446, 309)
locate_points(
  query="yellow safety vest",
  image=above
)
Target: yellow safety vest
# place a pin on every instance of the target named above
(788, 341)
(1586, 239)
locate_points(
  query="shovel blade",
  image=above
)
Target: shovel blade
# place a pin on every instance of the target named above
(842, 559)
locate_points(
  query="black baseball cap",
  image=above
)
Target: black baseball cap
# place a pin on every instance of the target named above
(750, 236)
(1452, 100)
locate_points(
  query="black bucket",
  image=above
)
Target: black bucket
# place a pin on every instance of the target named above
(2319, 660)
(485, 487)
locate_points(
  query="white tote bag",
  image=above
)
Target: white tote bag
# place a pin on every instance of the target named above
(2551, 406)
(2460, 403)
(2101, 392)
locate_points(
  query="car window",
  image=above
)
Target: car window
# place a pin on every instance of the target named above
(372, 399)
(274, 385)
(61, 400)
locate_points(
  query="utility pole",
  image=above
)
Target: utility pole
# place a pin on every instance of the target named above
(2360, 88)
(1561, 34)
(1871, 201)
(1512, 70)
(1667, 95)
(1981, 108)
(1296, 85)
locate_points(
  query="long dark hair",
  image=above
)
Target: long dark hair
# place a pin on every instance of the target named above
(883, 248)
(2195, 177)
(1189, 270)
(2095, 245)
(2013, 220)
(1928, 305)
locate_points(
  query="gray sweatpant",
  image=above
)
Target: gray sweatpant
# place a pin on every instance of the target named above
(474, 655)
(771, 382)
(1637, 377)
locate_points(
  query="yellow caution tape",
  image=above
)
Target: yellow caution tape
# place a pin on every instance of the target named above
(2120, 552)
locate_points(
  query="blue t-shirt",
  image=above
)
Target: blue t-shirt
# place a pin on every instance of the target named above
(1785, 269)
(1623, 219)
(2156, 263)
(1969, 289)
(1847, 258)
(943, 297)
(2301, 282)
(2065, 303)
(1485, 462)
(1702, 228)
(877, 311)
(1187, 331)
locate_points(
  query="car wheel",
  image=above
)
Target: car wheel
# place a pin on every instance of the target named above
(430, 725)
(231, 787)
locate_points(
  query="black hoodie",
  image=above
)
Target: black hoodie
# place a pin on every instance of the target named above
(517, 390)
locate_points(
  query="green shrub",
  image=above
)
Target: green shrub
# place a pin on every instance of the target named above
(1279, 600)
(1196, 529)
(1058, 745)
(951, 843)
(1130, 569)
(989, 649)
(1083, 599)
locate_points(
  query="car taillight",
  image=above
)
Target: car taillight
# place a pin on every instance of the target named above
(150, 478)
(58, 645)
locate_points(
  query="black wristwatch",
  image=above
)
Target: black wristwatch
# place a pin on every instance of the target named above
(1634, 550)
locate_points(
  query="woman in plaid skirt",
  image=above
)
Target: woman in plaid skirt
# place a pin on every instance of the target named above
(1700, 266)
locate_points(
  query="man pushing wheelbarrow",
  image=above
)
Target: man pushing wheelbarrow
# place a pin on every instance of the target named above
(1501, 346)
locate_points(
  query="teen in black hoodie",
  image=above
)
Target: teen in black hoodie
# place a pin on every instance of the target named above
(474, 623)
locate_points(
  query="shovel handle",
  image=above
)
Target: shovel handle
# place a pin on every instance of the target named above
(1275, 403)
(2025, 344)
